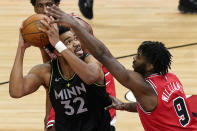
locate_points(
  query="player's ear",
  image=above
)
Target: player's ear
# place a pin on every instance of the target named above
(149, 67)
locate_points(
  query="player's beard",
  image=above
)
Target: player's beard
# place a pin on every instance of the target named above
(140, 69)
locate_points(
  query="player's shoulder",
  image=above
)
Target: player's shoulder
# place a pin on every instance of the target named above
(172, 76)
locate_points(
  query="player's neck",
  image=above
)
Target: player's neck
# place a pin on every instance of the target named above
(66, 69)
(148, 74)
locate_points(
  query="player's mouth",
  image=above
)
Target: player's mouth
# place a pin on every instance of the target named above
(78, 51)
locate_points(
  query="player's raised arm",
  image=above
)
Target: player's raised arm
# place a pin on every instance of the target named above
(90, 69)
(134, 81)
(127, 78)
(18, 85)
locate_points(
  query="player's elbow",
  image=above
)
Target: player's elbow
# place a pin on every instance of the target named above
(14, 94)
(91, 79)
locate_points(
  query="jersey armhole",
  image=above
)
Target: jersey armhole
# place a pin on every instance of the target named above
(154, 88)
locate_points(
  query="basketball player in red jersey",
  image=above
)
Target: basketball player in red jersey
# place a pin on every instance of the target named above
(161, 101)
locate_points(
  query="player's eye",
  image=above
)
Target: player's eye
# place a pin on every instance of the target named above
(68, 43)
(49, 4)
(40, 6)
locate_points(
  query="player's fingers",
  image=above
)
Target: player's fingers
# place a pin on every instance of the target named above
(54, 10)
(109, 107)
(43, 30)
(20, 30)
(52, 19)
(47, 19)
(56, 16)
(45, 23)
(55, 21)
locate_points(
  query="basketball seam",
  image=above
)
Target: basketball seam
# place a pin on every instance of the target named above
(29, 24)
(33, 33)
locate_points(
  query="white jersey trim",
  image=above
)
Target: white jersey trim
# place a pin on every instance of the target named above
(113, 121)
(50, 123)
(107, 74)
(153, 75)
(152, 85)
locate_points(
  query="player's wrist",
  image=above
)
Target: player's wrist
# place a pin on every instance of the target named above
(75, 24)
(59, 46)
(124, 106)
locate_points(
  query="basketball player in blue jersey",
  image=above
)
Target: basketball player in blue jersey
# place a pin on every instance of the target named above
(75, 81)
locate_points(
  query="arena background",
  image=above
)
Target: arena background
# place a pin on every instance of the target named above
(122, 25)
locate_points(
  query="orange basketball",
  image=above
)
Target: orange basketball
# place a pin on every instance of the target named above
(30, 31)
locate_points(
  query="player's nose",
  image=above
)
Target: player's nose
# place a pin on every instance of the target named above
(44, 9)
(76, 43)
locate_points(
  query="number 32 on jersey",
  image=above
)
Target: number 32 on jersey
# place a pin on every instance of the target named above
(70, 110)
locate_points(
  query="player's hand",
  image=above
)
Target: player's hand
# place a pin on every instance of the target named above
(62, 18)
(52, 32)
(116, 104)
(22, 43)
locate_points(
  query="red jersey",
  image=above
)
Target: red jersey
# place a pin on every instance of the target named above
(110, 88)
(192, 101)
(172, 112)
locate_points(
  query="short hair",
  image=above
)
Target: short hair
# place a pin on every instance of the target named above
(157, 54)
(33, 2)
(62, 30)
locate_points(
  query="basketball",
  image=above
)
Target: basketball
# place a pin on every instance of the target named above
(30, 32)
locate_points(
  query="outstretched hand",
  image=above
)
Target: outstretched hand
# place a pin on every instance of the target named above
(116, 104)
(52, 32)
(61, 18)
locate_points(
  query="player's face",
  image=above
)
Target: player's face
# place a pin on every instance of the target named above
(72, 43)
(140, 64)
(41, 5)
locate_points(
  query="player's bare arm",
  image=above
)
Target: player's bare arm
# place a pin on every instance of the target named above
(48, 108)
(119, 105)
(143, 92)
(20, 85)
(90, 70)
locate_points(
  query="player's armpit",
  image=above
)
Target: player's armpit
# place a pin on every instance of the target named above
(36, 77)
